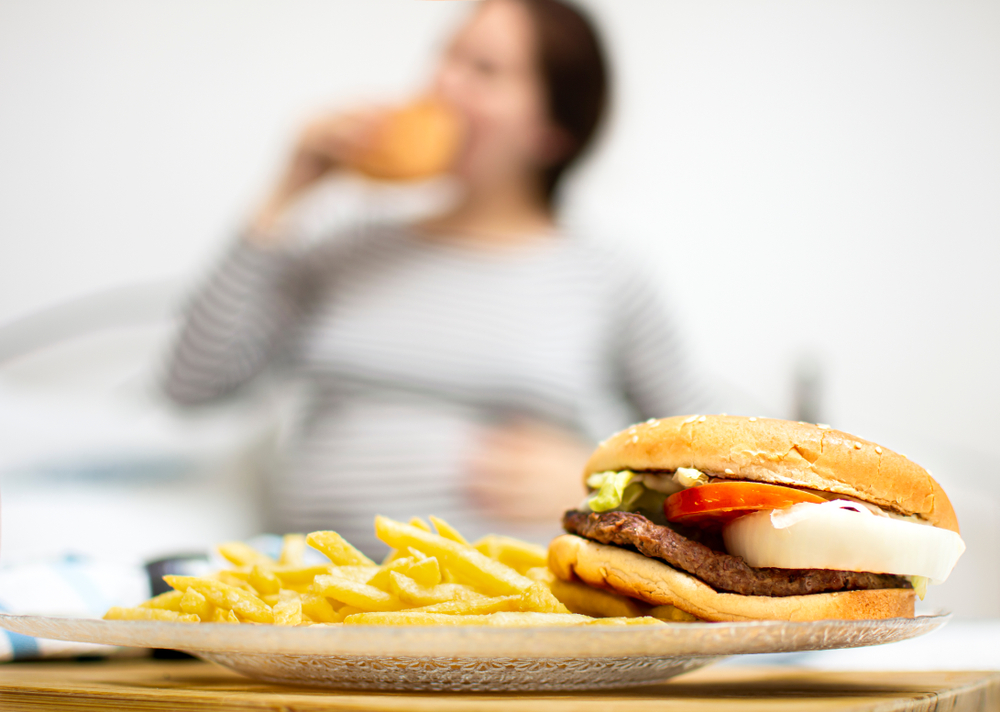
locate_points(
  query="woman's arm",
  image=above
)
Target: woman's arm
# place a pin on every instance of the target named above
(326, 145)
(235, 323)
(238, 321)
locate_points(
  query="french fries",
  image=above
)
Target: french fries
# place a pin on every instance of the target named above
(293, 548)
(240, 554)
(359, 595)
(447, 531)
(193, 603)
(475, 607)
(264, 581)
(578, 597)
(411, 592)
(139, 613)
(337, 550)
(521, 556)
(169, 601)
(431, 577)
(318, 609)
(467, 563)
(288, 611)
(224, 596)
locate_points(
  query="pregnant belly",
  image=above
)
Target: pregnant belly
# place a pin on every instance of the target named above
(374, 456)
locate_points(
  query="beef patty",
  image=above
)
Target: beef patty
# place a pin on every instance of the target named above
(721, 571)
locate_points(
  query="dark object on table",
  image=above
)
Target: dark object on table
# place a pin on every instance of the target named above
(178, 565)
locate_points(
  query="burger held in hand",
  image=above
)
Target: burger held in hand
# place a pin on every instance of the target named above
(412, 142)
(731, 518)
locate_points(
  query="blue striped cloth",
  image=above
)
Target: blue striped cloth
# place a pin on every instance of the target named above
(81, 587)
(70, 586)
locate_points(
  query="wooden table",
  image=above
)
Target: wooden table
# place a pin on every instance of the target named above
(192, 685)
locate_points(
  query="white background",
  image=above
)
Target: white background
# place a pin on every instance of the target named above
(806, 179)
(817, 177)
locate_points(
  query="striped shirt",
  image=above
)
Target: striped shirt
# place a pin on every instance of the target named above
(409, 346)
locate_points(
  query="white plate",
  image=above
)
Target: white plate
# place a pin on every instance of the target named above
(473, 658)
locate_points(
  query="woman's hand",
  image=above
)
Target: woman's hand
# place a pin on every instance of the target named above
(325, 145)
(528, 471)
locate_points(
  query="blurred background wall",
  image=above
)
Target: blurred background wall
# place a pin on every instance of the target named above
(817, 185)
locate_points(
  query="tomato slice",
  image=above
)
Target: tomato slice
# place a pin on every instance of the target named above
(714, 504)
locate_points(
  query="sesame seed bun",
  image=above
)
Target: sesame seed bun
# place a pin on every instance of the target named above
(574, 558)
(779, 452)
(416, 141)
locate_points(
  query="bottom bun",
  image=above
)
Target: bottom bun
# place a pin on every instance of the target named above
(572, 557)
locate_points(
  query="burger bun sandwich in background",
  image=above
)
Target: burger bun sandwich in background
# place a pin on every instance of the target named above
(732, 518)
(412, 142)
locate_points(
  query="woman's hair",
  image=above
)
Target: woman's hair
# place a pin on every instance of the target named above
(574, 74)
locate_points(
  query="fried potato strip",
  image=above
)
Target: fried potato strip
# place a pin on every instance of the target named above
(432, 576)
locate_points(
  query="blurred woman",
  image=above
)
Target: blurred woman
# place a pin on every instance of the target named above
(464, 365)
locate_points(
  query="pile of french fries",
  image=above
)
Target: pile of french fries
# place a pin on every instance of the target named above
(429, 578)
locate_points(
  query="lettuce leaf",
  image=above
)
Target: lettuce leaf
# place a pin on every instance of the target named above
(610, 487)
(919, 584)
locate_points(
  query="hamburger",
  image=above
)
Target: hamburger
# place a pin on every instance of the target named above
(413, 142)
(731, 518)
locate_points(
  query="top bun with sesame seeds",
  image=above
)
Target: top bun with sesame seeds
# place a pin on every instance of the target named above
(779, 452)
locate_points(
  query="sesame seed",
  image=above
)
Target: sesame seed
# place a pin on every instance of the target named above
(635, 438)
(729, 472)
(878, 449)
(753, 420)
(822, 426)
(701, 419)
(690, 420)
(651, 421)
(857, 446)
